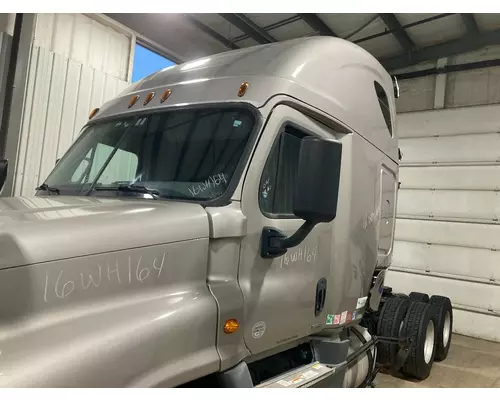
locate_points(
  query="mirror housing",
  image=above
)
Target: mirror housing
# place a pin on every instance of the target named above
(316, 193)
(4, 166)
(318, 179)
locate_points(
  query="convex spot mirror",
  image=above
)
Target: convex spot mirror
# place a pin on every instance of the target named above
(316, 193)
(3, 173)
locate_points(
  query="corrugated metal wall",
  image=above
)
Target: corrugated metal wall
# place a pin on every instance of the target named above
(463, 89)
(84, 40)
(448, 231)
(76, 65)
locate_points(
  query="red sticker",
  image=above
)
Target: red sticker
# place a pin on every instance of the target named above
(349, 316)
(336, 319)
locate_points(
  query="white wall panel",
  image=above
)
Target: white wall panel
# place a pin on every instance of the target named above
(450, 204)
(480, 147)
(416, 94)
(77, 64)
(449, 122)
(477, 325)
(485, 236)
(448, 230)
(453, 261)
(471, 177)
(86, 41)
(475, 87)
(61, 93)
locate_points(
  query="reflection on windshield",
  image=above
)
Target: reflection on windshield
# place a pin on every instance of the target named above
(186, 154)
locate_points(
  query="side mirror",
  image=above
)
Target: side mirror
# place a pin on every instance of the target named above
(316, 194)
(4, 164)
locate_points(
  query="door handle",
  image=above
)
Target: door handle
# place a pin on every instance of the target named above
(320, 296)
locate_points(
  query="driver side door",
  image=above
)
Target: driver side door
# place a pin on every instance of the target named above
(280, 294)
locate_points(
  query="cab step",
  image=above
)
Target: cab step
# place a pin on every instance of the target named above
(309, 375)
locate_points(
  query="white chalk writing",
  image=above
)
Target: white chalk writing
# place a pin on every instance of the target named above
(91, 280)
(110, 274)
(214, 180)
(371, 218)
(302, 254)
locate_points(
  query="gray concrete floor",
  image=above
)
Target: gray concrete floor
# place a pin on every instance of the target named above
(471, 363)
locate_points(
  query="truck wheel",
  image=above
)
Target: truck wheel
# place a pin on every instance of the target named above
(417, 296)
(444, 325)
(420, 327)
(389, 324)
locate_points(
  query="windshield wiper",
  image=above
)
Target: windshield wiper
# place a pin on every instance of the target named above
(48, 188)
(132, 188)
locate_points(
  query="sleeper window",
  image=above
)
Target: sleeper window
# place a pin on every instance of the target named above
(384, 105)
(278, 182)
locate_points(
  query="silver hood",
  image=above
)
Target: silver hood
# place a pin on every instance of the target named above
(41, 229)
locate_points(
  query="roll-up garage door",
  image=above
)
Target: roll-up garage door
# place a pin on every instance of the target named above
(447, 231)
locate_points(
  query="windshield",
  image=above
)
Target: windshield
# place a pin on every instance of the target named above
(182, 154)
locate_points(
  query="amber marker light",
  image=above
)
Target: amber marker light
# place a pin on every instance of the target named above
(166, 94)
(149, 97)
(93, 113)
(243, 89)
(133, 100)
(231, 326)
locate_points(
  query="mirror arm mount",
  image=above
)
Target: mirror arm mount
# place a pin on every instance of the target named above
(275, 243)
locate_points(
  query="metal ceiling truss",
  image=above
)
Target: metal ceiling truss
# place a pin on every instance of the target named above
(317, 24)
(279, 24)
(210, 32)
(470, 23)
(411, 56)
(398, 31)
(247, 26)
(463, 45)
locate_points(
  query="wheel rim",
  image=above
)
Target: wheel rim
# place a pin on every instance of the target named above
(429, 342)
(446, 328)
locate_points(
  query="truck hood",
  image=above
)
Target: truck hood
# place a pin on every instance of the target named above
(41, 229)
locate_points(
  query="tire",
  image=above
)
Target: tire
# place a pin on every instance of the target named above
(389, 324)
(419, 325)
(417, 296)
(444, 316)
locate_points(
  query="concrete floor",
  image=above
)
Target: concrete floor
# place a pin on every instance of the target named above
(471, 363)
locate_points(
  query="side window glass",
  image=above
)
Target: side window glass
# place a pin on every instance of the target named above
(384, 105)
(278, 181)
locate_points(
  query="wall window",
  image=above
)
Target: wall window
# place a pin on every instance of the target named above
(278, 182)
(147, 62)
(384, 105)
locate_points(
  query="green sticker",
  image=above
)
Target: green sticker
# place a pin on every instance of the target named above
(329, 319)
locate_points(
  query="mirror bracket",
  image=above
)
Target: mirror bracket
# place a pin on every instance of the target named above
(274, 243)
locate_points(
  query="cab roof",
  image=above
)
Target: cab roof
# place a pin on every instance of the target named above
(330, 74)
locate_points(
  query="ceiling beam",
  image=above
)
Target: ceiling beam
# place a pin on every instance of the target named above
(244, 24)
(447, 49)
(317, 24)
(210, 32)
(470, 23)
(399, 33)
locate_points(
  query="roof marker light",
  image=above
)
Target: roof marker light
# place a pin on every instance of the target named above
(149, 97)
(133, 100)
(93, 113)
(243, 89)
(166, 94)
